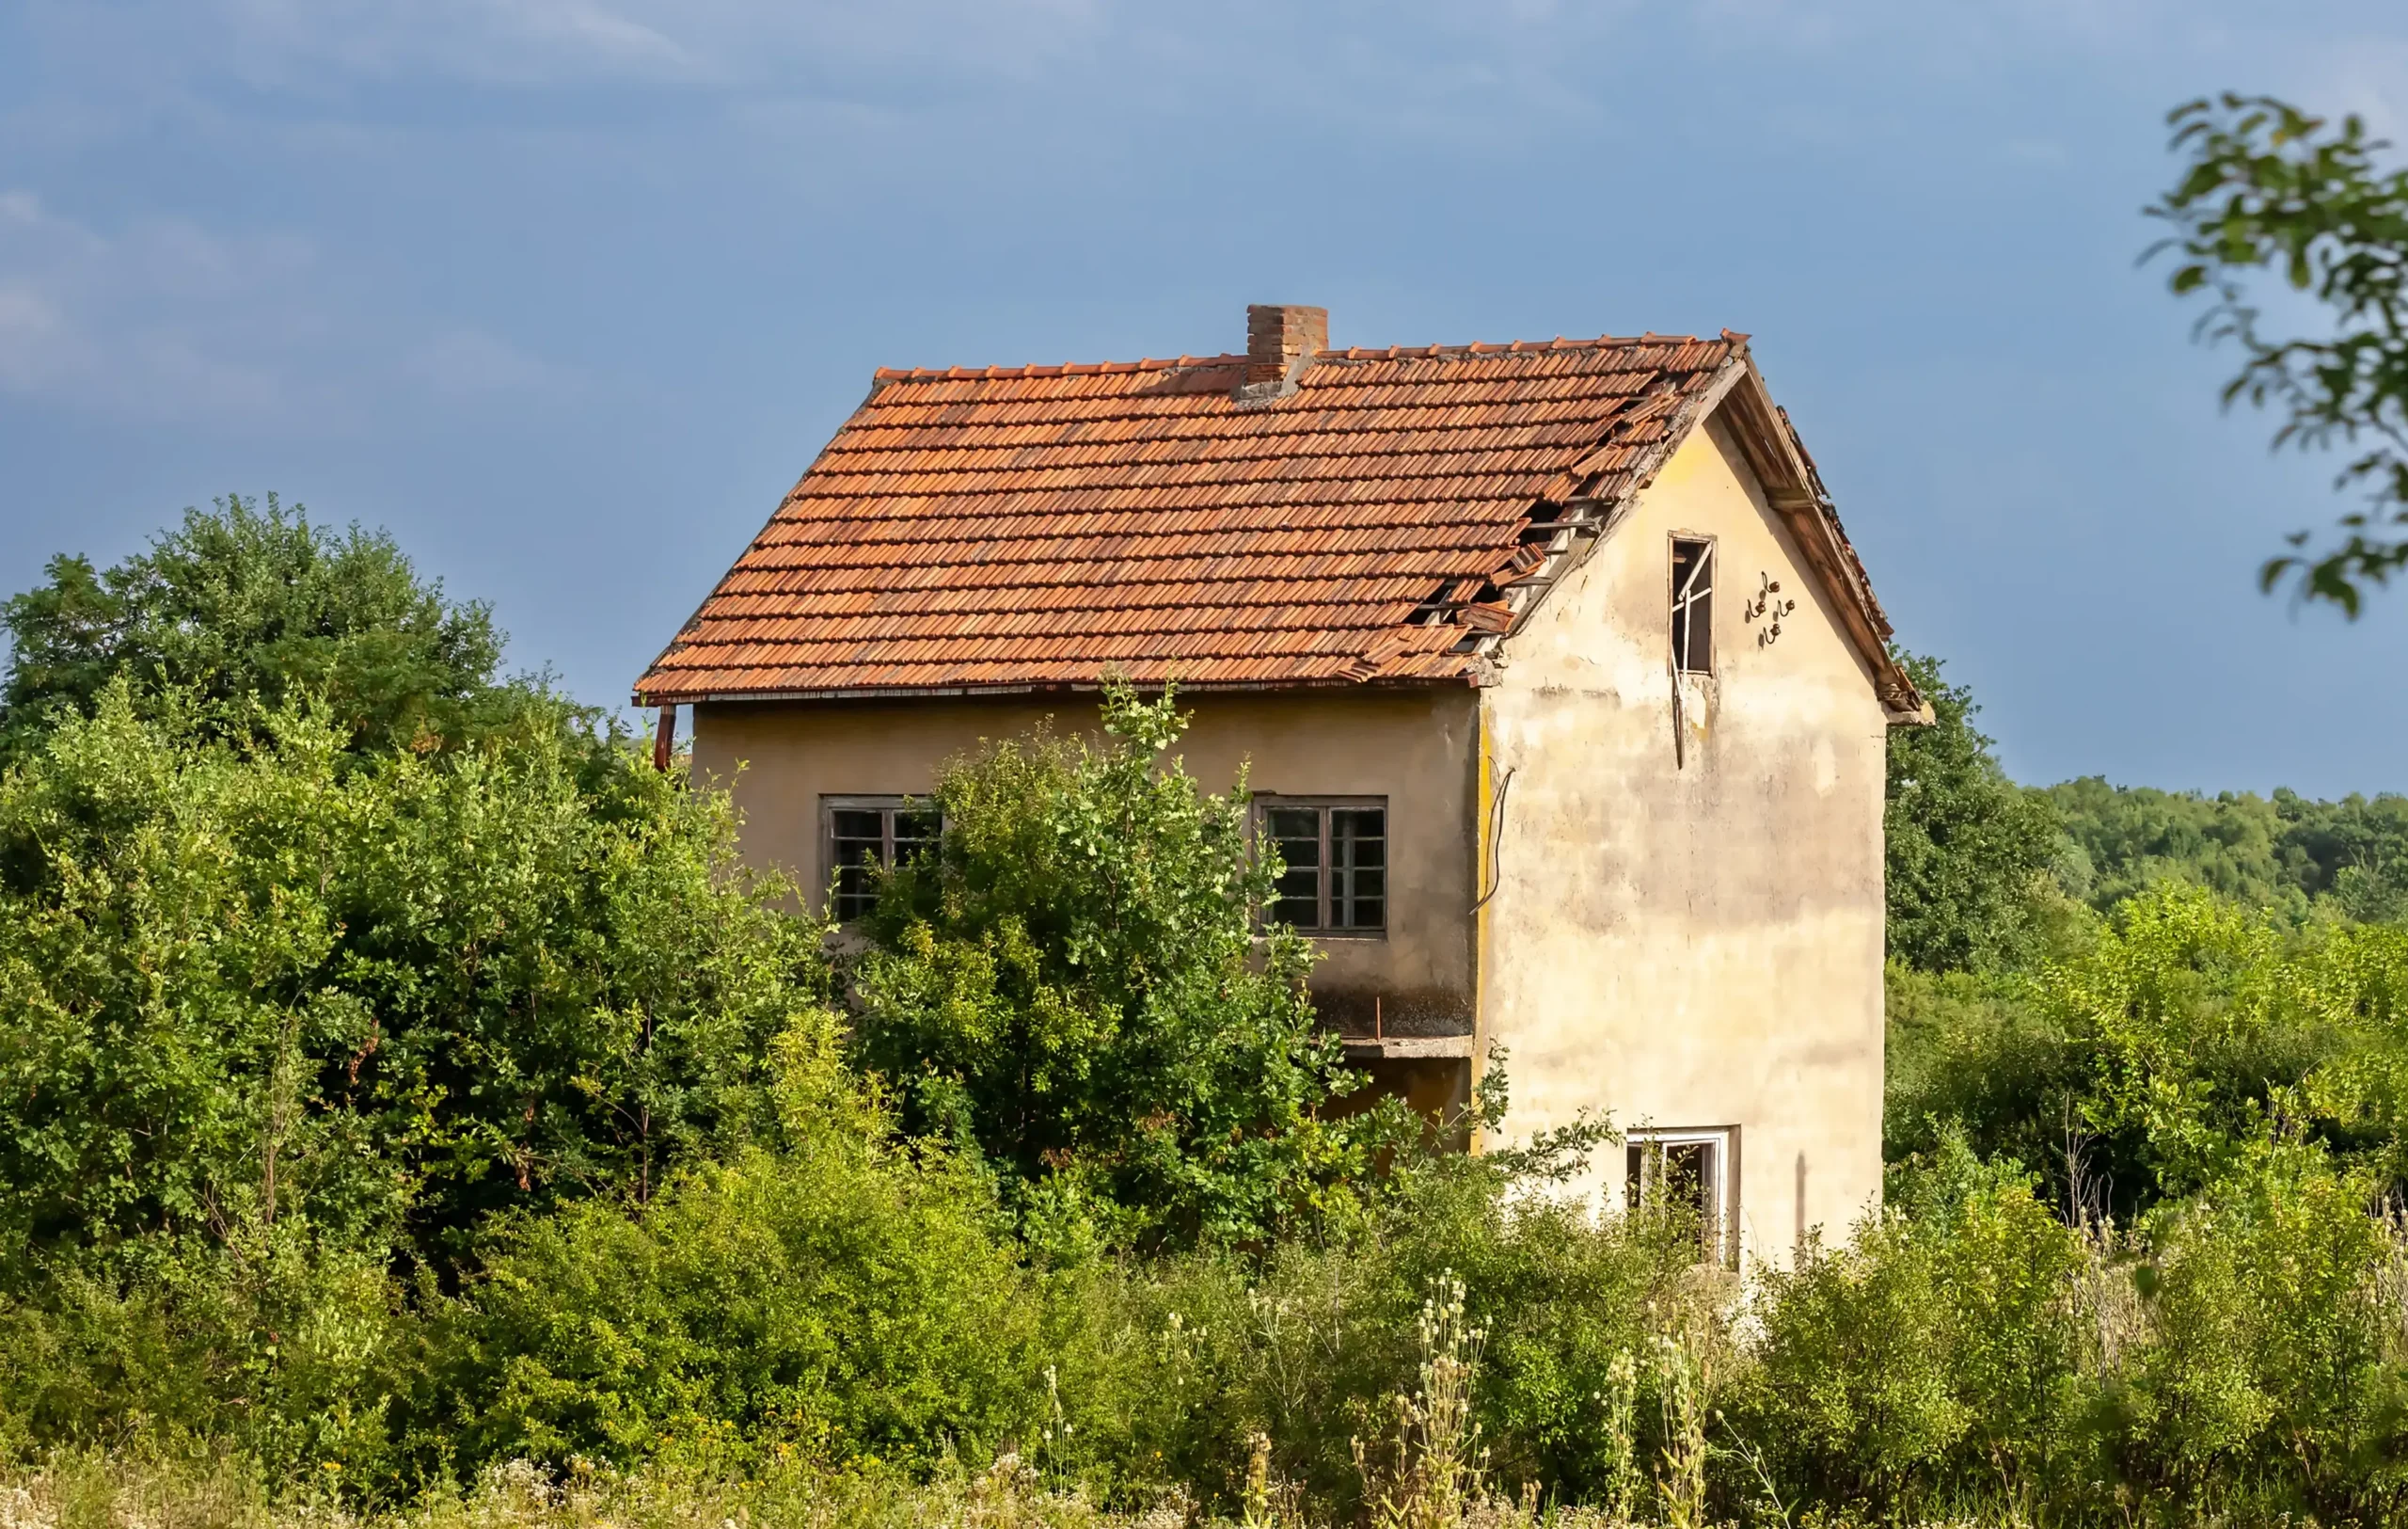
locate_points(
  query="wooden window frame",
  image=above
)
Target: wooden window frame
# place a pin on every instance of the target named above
(1718, 1229)
(887, 807)
(1689, 602)
(1326, 874)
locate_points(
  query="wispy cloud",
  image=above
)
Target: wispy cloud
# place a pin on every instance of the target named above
(566, 42)
(190, 313)
(164, 319)
(465, 362)
(160, 319)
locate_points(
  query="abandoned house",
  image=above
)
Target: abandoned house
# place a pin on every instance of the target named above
(1564, 693)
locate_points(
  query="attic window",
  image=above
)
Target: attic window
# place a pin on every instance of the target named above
(1692, 606)
(865, 835)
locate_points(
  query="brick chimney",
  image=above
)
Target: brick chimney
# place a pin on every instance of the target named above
(1277, 334)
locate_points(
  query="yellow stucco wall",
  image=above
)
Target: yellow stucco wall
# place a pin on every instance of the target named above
(1417, 748)
(1695, 943)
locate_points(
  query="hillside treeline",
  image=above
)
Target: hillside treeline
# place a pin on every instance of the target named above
(2285, 852)
(402, 1084)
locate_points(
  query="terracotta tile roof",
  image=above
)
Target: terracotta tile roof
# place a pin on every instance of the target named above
(1039, 526)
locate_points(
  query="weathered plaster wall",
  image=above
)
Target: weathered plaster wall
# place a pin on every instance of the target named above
(1698, 944)
(1417, 748)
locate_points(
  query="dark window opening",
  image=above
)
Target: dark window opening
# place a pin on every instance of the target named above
(1693, 607)
(866, 835)
(1335, 866)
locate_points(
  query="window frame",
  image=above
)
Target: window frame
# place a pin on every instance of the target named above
(1267, 803)
(1687, 601)
(1719, 1230)
(887, 806)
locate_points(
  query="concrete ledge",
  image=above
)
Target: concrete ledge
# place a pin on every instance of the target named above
(1364, 1048)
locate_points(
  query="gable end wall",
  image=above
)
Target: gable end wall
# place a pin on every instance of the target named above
(1694, 942)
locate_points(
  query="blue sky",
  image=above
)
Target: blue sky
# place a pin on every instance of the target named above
(566, 293)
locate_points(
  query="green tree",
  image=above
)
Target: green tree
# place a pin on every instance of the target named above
(240, 602)
(246, 975)
(1968, 850)
(1075, 989)
(2269, 187)
(2286, 851)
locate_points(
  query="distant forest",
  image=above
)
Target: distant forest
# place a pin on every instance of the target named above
(2289, 853)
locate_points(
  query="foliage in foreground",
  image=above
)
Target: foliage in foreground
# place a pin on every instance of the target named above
(2239, 1357)
(2144, 1068)
(2241, 1352)
(2269, 187)
(1075, 990)
(382, 1118)
(250, 979)
(831, 1295)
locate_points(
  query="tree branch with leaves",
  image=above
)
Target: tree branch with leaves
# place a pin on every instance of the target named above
(2272, 188)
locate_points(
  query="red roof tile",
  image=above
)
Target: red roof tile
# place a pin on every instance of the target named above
(1042, 526)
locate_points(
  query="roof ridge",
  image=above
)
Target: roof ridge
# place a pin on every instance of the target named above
(1060, 368)
(1353, 353)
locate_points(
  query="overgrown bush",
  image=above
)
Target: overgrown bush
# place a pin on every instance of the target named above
(839, 1297)
(403, 1085)
(1076, 990)
(238, 606)
(1932, 1358)
(279, 1343)
(2275, 1375)
(1170, 1366)
(1972, 1056)
(246, 977)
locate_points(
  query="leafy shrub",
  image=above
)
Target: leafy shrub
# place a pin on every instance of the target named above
(1934, 1355)
(1169, 1366)
(2205, 1022)
(237, 605)
(837, 1297)
(1972, 1056)
(278, 1343)
(1073, 988)
(2145, 1065)
(2275, 1374)
(246, 977)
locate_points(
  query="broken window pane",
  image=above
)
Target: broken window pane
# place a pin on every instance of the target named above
(857, 839)
(1682, 1179)
(1336, 866)
(1693, 607)
(915, 833)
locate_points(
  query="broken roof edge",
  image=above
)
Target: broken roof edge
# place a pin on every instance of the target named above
(1796, 493)
(1813, 519)
(1793, 490)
